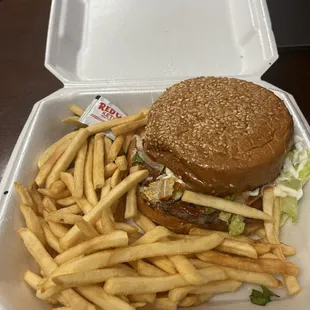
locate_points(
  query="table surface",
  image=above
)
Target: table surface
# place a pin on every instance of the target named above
(24, 80)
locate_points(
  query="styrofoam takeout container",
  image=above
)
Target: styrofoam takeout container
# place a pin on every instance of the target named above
(129, 51)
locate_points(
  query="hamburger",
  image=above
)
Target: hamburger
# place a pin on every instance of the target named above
(218, 136)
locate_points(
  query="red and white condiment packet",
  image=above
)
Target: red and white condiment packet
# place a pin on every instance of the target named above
(101, 110)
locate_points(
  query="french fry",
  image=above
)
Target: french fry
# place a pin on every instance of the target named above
(276, 216)
(115, 148)
(164, 303)
(51, 239)
(98, 161)
(87, 229)
(270, 266)
(145, 285)
(153, 235)
(37, 199)
(67, 157)
(121, 163)
(91, 277)
(131, 199)
(107, 145)
(268, 199)
(107, 224)
(58, 230)
(125, 227)
(104, 126)
(260, 232)
(143, 222)
(89, 190)
(57, 215)
(96, 295)
(269, 255)
(237, 248)
(50, 163)
(75, 109)
(58, 186)
(70, 219)
(163, 263)
(106, 188)
(205, 232)
(109, 169)
(94, 214)
(48, 153)
(84, 204)
(179, 293)
(250, 228)
(187, 270)
(68, 179)
(76, 301)
(116, 178)
(74, 121)
(148, 270)
(79, 171)
(33, 222)
(112, 240)
(150, 298)
(70, 170)
(138, 304)
(128, 127)
(224, 205)
(24, 195)
(49, 204)
(202, 298)
(127, 141)
(48, 193)
(188, 301)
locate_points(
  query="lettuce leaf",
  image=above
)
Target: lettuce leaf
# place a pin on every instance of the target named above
(304, 174)
(225, 216)
(236, 226)
(289, 206)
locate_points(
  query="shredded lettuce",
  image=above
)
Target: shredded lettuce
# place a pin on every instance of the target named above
(225, 216)
(208, 210)
(137, 159)
(295, 173)
(236, 226)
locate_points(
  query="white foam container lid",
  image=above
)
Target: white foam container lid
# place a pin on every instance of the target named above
(129, 51)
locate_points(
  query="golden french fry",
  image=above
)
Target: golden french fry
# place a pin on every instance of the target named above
(116, 178)
(98, 161)
(164, 303)
(224, 205)
(260, 232)
(70, 219)
(83, 204)
(163, 263)
(250, 228)
(58, 230)
(109, 169)
(145, 285)
(89, 190)
(188, 301)
(268, 199)
(104, 126)
(51, 239)
(68, 179)
(126, 227)
(263, 265)
(131, 199)
(48, 193)
(269, 255)
(87, 229)
(143, 222)
(112, 240)
(187, 270)
(73, 209)
(179, 293)
(74, 121)
(106, 188)
(121, 163)
(63, 308)
(153, 235)
(202, 298)
(70, 170)
(96, 295)
(49, 204)
(76, 301)
(94, 214)
(115, 148)
(128, 127)
(205, 232)
(79, 171)
(107, 224)
(24, 195)
(33, 222)
(48, 153)
(150, 298)
(75, 109)
(58, 186)
(127, 141)
(148, 270)
(50, 163)
(276, 216)
(91, 277)
(37, 199)
(67, 157)
(138, 304)
(237, 248)
(107, 145)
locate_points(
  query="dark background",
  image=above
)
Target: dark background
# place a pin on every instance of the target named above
(24, 80)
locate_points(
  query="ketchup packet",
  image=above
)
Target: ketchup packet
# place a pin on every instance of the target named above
(101, 110)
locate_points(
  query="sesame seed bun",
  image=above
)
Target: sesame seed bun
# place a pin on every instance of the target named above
(220, 135)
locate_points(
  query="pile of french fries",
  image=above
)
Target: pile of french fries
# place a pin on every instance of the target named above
(90, 257)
